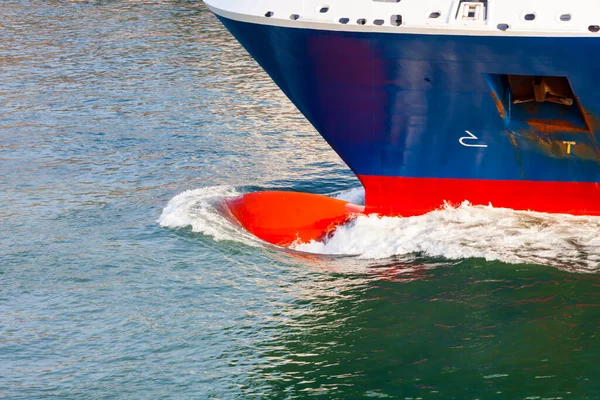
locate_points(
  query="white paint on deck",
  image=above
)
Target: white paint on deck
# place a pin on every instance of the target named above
(450, 17)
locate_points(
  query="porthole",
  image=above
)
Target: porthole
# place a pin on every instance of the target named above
(594, 28)
(344, 21)
(529, 17)
(565, 17)
(269, 14)
(435, 14)
(294, 17)
(378, 22)
(324, 9)
(361, 21)
(503, 27)
(396, 20)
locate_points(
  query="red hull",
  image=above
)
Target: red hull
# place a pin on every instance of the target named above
(416, 196)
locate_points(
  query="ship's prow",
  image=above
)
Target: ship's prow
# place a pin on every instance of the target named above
(441, 101)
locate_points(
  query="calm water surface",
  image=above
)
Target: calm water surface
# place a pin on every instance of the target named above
(115, 284)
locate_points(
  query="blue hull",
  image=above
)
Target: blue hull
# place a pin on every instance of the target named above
(397, 104)
(411, 113)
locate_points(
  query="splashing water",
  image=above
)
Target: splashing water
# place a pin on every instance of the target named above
(451, 232)
(203, 210)
(472, 232)
(355, 195)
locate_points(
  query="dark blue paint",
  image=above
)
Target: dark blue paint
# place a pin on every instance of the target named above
(397, 104)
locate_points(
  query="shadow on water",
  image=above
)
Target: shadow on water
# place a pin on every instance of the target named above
(407, 330)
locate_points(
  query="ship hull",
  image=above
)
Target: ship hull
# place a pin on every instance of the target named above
(425, 119)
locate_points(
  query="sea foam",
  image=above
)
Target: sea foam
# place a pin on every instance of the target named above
(459, 232)
(203, 210)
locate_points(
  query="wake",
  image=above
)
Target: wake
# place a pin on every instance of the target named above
(462, 232)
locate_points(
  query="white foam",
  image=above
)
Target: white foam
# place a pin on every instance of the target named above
(354, 195)
(203, 210)
(471, 232)
(452, 233)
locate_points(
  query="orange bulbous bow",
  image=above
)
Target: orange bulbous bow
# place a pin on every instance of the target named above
(282, 218)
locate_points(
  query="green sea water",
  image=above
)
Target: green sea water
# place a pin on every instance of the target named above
(124, 124)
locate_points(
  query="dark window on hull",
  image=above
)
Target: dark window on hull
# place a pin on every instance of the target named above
(547, 103)
(540, 89)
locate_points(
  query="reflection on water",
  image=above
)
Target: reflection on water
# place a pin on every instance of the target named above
(464, 331)
(97, 67)
(109, 110)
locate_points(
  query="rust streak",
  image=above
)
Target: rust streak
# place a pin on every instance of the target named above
(499, 105)
(555, 126)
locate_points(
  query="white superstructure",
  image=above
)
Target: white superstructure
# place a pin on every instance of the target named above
(457, 17)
